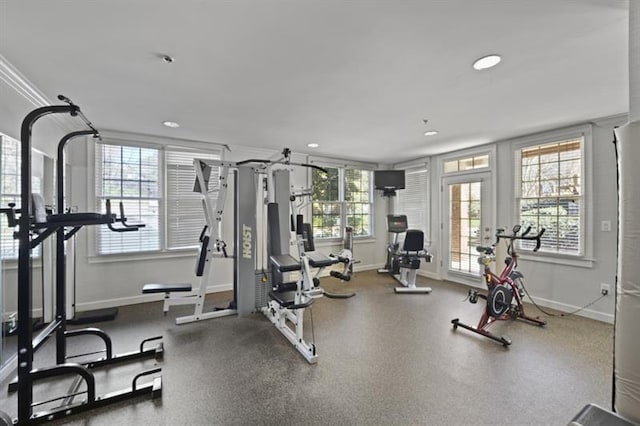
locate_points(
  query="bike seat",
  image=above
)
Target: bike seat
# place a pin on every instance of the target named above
(485, 250)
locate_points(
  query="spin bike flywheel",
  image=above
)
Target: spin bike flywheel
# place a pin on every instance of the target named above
(499, 300)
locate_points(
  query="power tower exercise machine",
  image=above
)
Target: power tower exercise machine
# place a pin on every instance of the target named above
(34, 225)
(403, 263)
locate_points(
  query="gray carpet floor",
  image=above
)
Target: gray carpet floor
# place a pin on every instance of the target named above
(384, 359)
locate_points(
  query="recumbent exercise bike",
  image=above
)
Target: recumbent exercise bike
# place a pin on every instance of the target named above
(403, 264)
(506, 290)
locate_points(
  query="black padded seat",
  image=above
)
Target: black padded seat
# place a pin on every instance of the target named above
(319, 260)
(287, 299)
(165, 288)
(80, 217)
(283, 298)
(285, 263)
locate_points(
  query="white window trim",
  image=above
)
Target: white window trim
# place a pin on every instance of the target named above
(585, 131)
(142, 141)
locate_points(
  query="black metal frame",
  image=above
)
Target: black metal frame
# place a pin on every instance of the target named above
(27, 346)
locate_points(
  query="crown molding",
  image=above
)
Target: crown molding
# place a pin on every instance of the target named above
(18, 82)
(15, 80)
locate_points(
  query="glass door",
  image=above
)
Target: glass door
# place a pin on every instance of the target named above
(466, 223)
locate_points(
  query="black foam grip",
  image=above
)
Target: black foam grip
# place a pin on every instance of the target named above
(202, 256)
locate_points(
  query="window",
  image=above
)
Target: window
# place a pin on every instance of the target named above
(10, 163)
(10, 192)
(341, 197)
(412, 201)
(171, 211)
(463, 164)
(550, 194)
(130, 175)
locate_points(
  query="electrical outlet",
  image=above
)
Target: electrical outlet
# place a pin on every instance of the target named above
(605, 226)
(604, 289)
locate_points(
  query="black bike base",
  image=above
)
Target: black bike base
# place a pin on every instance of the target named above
(97, 315)
(505, 341)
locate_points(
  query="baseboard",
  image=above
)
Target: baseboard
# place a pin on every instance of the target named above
(9, 367)
(143, 298)
(428, 274)
(361, 268)
(36, 313)
(563, 307)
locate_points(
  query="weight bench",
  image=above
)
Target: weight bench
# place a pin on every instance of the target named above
(203, 266)
(319, 260)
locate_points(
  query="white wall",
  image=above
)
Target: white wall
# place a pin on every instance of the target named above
(558, 285)
(112, 281)
(564, 286)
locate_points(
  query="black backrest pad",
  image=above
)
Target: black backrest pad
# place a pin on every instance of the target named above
(307, 235)
(299, 224)
(273, 230)
(202, 255)
(413, 240)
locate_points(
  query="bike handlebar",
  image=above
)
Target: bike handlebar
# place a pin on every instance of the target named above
(537, 238)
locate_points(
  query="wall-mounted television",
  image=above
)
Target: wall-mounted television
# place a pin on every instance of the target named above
(388, 179)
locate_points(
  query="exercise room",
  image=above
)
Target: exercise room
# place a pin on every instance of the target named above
(384, 212)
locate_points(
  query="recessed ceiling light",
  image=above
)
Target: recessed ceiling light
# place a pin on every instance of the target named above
(171, 124)
(431, 133)
(487, 62)
(313, 145)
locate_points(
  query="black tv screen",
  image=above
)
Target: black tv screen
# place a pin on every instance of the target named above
(388, 179)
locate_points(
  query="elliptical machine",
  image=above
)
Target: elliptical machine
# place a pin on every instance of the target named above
(403, 264)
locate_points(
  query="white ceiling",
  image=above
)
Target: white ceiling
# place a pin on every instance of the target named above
(357, 77)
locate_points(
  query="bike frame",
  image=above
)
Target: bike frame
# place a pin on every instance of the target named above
(504, 278)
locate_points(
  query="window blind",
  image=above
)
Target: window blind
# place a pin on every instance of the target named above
(185, 218)
(130, 175)
(412, 201)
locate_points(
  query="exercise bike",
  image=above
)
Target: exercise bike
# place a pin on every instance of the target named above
(506, 290)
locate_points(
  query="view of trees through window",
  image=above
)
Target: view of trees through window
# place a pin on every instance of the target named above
(551, 194)
(341, 197)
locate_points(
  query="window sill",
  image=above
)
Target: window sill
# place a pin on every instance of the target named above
(580, 262)
(340, 241)
(12, 264)
(136, 257)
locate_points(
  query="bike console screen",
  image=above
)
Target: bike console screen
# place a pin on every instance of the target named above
(397, 224)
